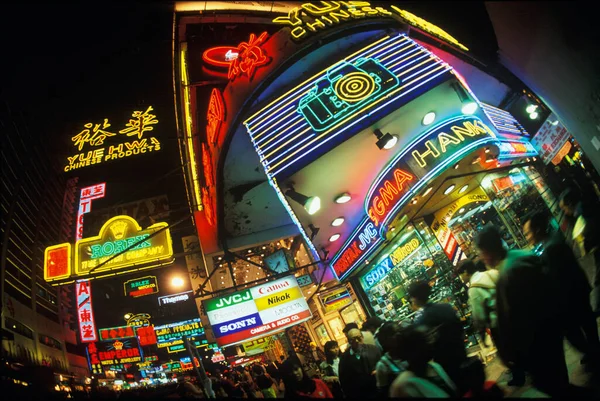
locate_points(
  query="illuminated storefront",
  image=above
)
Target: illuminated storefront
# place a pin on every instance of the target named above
(333, 124)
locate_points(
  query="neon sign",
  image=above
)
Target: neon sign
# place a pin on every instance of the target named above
(305, 123)
(250, 57)
(345, 88)
(85, 204)
(390, 191)
(94, 135)
(516, 149)
(173, 333)
(85, 314)
(377, 274)
(174, 298)
(215, 116)
(355, 249)
(116, 333)
(117, 234)
(119, 352)
(141, 286)
(403, 251)
(57, 262)
(220, 56)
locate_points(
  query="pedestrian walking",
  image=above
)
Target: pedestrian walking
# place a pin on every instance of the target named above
(357, 367)
(390, 365)
(330, 368)
(299, 385)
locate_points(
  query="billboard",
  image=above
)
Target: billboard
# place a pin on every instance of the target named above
(85, 314)
(141, 286)
(116, 352)
(173, 333)
(257, 312)
(85, 204)
(335, 299)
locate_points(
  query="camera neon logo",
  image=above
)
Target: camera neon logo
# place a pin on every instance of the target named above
(345, 87)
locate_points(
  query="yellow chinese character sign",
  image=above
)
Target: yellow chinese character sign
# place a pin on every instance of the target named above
(120, 245)
(92, 149)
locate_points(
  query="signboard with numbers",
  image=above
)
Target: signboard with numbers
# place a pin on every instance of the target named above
(258, 311)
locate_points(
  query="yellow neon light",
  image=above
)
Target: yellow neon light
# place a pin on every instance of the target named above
(94, 139)
(264, 144)
(284, 144)
(435, 30)
(427, 59)
(48, 261)
(159, 249)
(415, 54)
(140, 123)
(354, 114)
(355, 87)
(193, 166)
(393, 44)
(308, 80)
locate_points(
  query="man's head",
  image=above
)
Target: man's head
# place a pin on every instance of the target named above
(419, 293)
(467, 268)
(372, 324)
(568, 201)
(355, 339)
(349, 326)
(537, 228)
(490, 245)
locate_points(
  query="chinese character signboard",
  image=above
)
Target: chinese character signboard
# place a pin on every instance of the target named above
(85, 204)
(141, 286)
(256, 312)
(550, 139)
(146, 335)
(57, 262)
(173, 333)
(93, 360)
(130, 140)
(118, 234)
(117, 333)
(87, 326)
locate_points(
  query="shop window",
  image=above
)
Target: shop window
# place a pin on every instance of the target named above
(18, 327)
(50, 342)
(322, 334)
(350, 314)
(337, 326)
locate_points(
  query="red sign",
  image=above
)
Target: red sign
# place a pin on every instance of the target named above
(215, 116)
(146, 335)
(500, 184)
(220, 56)
(250, 57)
(115, 333)
(57, 261)
(119, 352)
(87, 326)
(389, 192)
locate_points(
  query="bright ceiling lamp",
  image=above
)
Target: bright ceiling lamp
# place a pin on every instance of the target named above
(469, 106)
(533, 115)
(428, 190)
(449, 189)
(531, 108)
(334, 237)
(385, 141)
(343, 198)
(337, 222)
(463, 189)
(428, 118)
(312, 204)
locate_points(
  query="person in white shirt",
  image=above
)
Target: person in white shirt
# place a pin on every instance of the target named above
(330, 368)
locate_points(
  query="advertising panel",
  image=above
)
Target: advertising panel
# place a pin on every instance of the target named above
(175, 298)
(57, 262)
(85, 204)
(550, 138)
(117, 333)
(119, 352)
(85, 314)
(173, 333)
(141, 286)
(256, 312)
(335, 299)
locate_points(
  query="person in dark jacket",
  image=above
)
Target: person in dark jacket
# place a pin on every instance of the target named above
(357, 367)
(449, 345)
(569, 280)
(529, 337)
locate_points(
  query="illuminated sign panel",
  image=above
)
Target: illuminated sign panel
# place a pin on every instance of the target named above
(322, 111)
(85, 314)
(141, 286)
(377, 273)
(119, 352)
(116, 235)
(259, 311)
(146, 336)
(85, 204)
(57, 262)
(305, 280)
(173, 333)
(336, 299)
(117, 333)
(93, 135)
(175, 298)
(511, 149)
(250, 56)
(312, 18)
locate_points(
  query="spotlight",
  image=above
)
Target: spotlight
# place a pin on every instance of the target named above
(533, 115)
(468, 105)
(385, 141)
(337, 222)
(311, 204)
(487, 150)
(428, 118)
(343, 198)
(449, 189)
(334, 237)
(461, 210)
(463, 189)
(313, 231)
(555, 122)
(456, 166)
(531, 108)
(428, 190)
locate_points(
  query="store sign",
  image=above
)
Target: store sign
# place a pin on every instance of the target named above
(167, 333)
(141, 286)
(85, 204)
(139, 320)
(304, 280)
(117, 333)
(146, 336)
(172, 366)
(179, 345)
(259, 311)
(404, 251)
(259, 345)
(355, 249)
(92, 136)
(116, 235)
(57, 262)
(511, 149)
(175, 298)
(562, 153)
(119, 352)
(85, 314)
(220, 56)
(250, 56)
(550, 138)
(93, 360)
(335, 300)
(376, 274)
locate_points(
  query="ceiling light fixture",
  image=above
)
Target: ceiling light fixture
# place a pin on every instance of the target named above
(456, 166)
(487, 150)
(449, 189)
(334, 237)
(414, 201)
(343, 198)
(337, 222)
(312, 204)
(533, 115)
(385, 141)
(428, 118)
(463, 189)
(462, 209)
(428, 190)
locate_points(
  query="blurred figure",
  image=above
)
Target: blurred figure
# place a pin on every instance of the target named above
(575, 312)
(584, 234)
(482, 295)
(316, 353)
(422, 378)
(372, 325)
(529, 338)
(330, 368)
(357, 367)
(273, 370)
(368, 337)
(297, 383)
(390, 365)
(449, 344)
(265, 383)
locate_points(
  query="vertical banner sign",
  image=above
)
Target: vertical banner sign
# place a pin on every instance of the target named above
(87, 326)
(256, 312)
(85, 204)
(550, 139)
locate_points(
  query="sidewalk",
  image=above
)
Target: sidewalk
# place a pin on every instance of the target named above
(496, 371)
